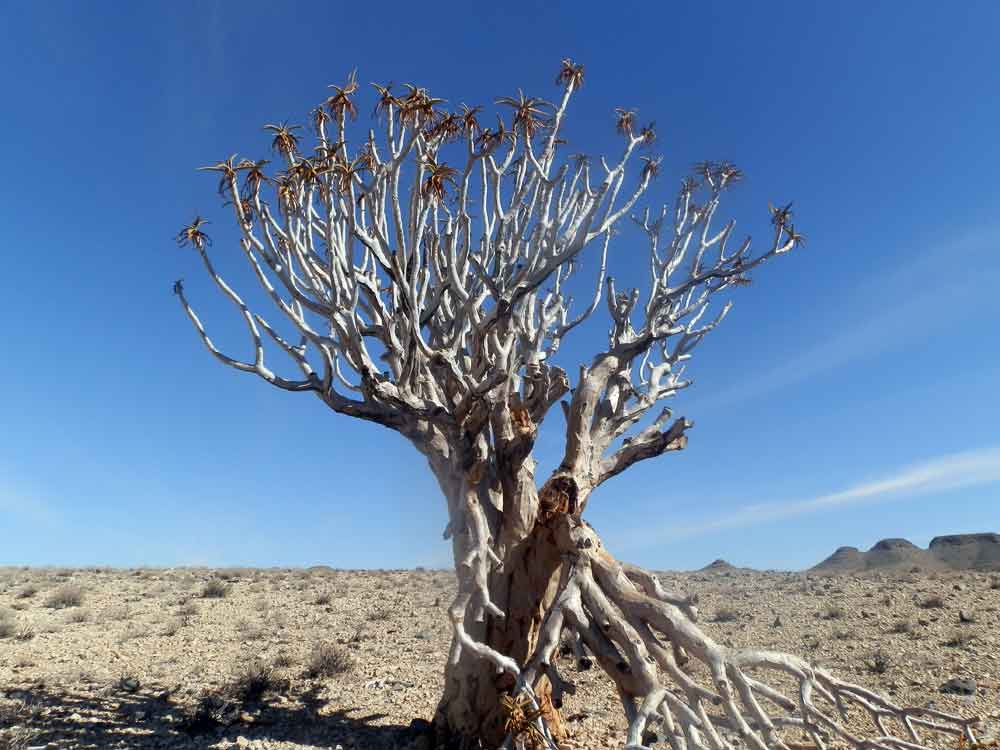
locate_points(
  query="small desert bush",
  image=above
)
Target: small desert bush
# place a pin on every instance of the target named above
(16, 738)
(253, 681)
(65, 596)
(25, 631)
(843, 634)
(834, 612)
(726, 615)
(214, 589)
(8, 627)
(133, 632)
(327, 660)
(127, 682)
(211, 712)
(27, 591)
(879, 662)
(932, 602)
(323, 599)
(901, 627)
(78, 616)
(960, 638)
(249, 631)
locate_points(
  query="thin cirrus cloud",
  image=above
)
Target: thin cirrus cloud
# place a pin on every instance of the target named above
(890, 310)
(948, 472)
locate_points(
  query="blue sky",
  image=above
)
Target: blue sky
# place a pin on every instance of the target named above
(851, 394)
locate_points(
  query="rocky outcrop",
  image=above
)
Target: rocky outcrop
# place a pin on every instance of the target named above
(954, 552)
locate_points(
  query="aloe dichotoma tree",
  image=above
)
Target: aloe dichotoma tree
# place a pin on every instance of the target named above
(424, 266)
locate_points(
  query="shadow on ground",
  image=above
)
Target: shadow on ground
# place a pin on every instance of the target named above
(153, 718)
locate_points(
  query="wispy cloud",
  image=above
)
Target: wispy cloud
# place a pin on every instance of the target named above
(949, 472)
(916, 301)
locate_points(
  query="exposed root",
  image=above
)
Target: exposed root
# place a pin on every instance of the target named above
(696, 693)
(641, 635)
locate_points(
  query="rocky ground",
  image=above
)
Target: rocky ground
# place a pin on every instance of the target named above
(321, 658)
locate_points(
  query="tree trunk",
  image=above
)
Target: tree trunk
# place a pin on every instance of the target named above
(470, 713)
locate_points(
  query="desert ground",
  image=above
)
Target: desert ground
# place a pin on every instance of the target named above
(321, 658)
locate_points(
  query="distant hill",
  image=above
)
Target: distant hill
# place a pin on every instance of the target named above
(718, 566)
(955, 552)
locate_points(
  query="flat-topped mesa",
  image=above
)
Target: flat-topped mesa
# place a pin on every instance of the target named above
(954, 552)
(957, 539)
(967, 551)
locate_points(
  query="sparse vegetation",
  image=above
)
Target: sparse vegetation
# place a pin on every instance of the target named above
(934, 601)
(327, 660)
(8, 626)
(16, 738)
(834, 612)
(879, 662)
(215, 589)
(253, 681)
(726, 615)
(68, 595)
(275, 665)
(27, 591)
(25, 631)
(960, 638)
(77, 616)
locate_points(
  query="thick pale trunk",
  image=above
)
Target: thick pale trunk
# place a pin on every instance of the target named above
(470, 714)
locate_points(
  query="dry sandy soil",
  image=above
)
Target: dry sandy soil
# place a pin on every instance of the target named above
(146, 660)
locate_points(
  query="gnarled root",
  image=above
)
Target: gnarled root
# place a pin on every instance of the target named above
(644, 637)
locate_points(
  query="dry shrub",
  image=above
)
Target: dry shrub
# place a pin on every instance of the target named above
(879, 662)
(78, 616)
(68, 595)
(27, 591)
(834, 612)
(328, 660)
(253, 681)
(960, 638)
(25, 631)
(214, 589)
(8, 627)
(726, 615)
(932, 602)
(901, 627)
(16, 738)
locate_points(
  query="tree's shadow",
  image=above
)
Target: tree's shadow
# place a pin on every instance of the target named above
(153, 719)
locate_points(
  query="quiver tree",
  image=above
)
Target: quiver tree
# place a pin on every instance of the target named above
(425, 268)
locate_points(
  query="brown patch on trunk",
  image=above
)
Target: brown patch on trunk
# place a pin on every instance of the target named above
(557, 498)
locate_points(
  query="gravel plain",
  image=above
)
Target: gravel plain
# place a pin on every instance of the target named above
(321, 658)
